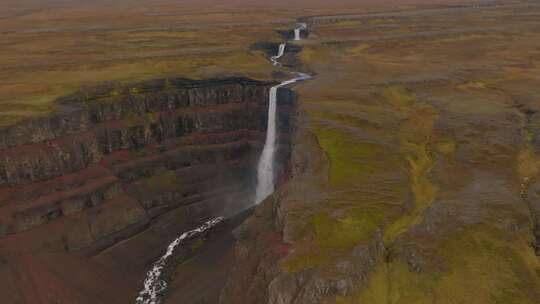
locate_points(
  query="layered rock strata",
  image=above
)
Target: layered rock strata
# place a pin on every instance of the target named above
(110, 161)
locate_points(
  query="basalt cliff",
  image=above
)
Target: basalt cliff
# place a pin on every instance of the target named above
(91, 194)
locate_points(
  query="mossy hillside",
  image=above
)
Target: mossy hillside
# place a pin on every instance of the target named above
(463, 76)
(351, 118)
(528, 163)
(479, 266)
(357, 49)
(334, 236)
(415, 137)
(349, 217)
(471, 85)
(369, 193)
(446, 147)
(348, 155)
(307, 54)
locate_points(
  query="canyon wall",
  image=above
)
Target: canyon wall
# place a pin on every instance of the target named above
(111, 160)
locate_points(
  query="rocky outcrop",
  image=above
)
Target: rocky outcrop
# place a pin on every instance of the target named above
(110, 160)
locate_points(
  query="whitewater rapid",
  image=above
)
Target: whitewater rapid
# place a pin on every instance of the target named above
(154, 284)
(281, 51)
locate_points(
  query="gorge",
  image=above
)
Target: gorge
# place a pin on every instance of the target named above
(154, 284)
(406, 170)
(122, 169)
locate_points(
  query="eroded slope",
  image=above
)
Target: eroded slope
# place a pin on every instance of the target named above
(428, 124)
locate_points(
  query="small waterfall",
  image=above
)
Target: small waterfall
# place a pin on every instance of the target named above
(298, 31)
(281, 51)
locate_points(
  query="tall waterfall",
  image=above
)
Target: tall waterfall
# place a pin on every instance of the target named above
(265, 169)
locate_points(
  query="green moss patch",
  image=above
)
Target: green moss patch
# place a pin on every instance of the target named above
(479, 266)
(335, 236)
(370, 179)
(416, 142)
(350, 158)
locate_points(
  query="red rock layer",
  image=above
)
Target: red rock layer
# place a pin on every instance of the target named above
(113, 175)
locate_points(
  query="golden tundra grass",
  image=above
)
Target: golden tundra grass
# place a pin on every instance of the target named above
(394, 117)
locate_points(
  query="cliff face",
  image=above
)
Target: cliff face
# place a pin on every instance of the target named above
(111, 164)
(263, 239)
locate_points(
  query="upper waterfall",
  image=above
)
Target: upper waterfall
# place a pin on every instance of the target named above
(281, 51)
(298, 31)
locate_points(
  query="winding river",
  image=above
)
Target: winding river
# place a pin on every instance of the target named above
(154, 284)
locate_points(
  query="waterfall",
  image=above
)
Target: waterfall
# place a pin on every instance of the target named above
(265, 168)
(298, 31)
(281, 51)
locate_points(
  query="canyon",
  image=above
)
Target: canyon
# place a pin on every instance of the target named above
(407, 169)
(117, 165)
(156, 281)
